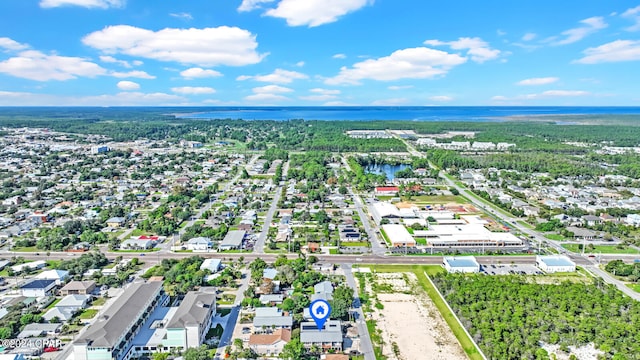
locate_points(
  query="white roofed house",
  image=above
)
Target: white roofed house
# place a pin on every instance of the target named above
(268, 319)
(60, 276)
(212, 265)
(199, 244)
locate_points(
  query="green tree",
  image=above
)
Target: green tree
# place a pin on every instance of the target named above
(342, 301)
(199, 353)
(294, 350)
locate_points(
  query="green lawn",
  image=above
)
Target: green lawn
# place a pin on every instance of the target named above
(53, 303)
(138, 251)
(355, 243)
(634, 287)
(556, 237)
(605, 249)
(88, 313)
(525, 224)
(421, 273)
(436, 199)
(99, 301)
(421, 241)
(26, 249)
(385, 237)
(334, 251)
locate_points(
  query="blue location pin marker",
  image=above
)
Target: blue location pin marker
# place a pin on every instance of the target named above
(320, 311)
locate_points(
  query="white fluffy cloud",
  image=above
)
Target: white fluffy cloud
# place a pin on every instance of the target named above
(111, 59)
(590, 26)
(128, 85)
(319, 94)
(193, 90)
(412, 63)
(132, 74)
(35, 65)
(279, 76)
(222, 45)
(271, 89)
(182, 16)
(10, 44)
(339, 56)
(615, 51)
(538, 81)
(314, 12)
(399, 87)
(634, 15)
(198, 73)
(102, 4)
(478, 50)
(128, 98)
(528, 36)
(441, 98)
(248, 5)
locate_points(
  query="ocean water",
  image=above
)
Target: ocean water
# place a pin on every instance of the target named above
(412, 113)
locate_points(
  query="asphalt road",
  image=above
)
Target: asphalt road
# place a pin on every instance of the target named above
(258, 247)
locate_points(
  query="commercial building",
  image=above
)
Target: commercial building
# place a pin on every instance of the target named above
(461, 264)
(112, 334)
(555, 263)
(78, 287)
(469, 236)
(233, 240)
(398, 235)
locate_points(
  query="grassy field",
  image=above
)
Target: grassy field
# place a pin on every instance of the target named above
(436, 199)
(556, 237)
(605, 249)
(385, 237)
(421, 273)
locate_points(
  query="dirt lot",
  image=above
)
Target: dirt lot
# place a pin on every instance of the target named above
(411, 326)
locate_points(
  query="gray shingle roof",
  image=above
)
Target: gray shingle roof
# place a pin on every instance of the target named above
(121, 315)
(194, 308)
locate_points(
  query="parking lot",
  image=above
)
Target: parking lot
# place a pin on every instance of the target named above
(511, 270)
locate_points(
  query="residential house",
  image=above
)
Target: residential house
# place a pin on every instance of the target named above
(115, 222)
(268, 319)
(199, 244)
(39, 330)
(38, 288)
(213, 265)
(59, 276)
(34, 265)
(66, 308)
(270, 344)
(137, 244)
(322, 290)
(78, 288)
(329, 339)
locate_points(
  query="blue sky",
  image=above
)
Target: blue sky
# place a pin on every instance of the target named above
(319, 52)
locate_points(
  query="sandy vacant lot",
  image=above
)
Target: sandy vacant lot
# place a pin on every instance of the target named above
(414, 324)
